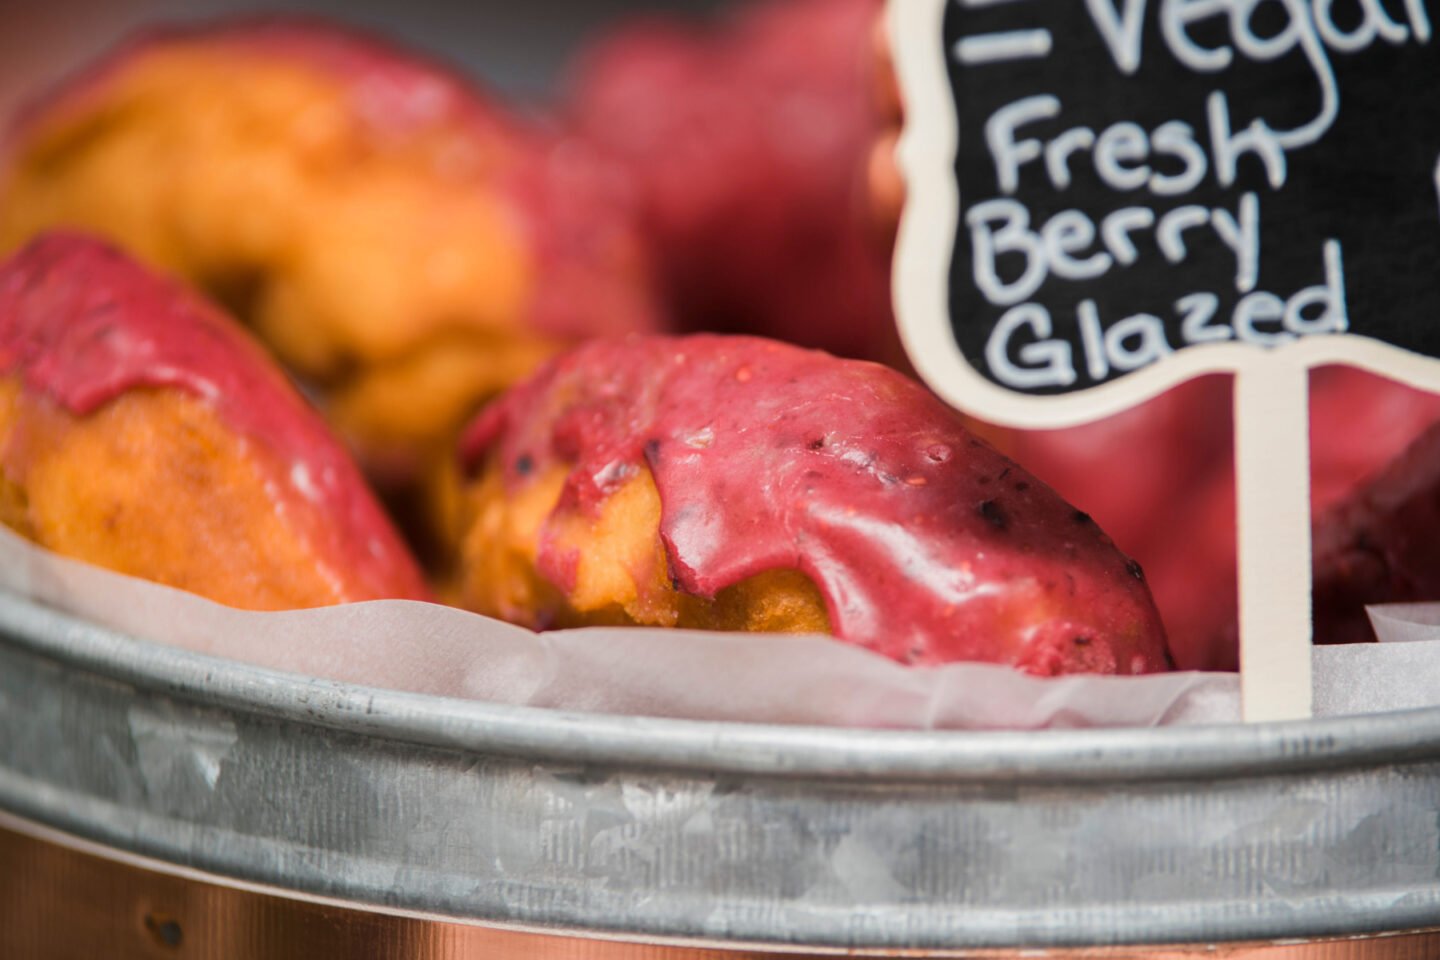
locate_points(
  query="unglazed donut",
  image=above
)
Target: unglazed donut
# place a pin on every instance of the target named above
(142, 431)
(397, 239)
(739, 483)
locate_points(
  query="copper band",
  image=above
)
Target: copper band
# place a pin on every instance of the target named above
(59, 902)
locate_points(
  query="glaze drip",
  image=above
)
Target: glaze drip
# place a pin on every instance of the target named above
(927, 545)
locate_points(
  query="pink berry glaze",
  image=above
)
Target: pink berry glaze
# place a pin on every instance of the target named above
(80, 324)
(927, 545)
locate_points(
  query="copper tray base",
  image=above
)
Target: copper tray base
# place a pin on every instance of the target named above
(61, 899)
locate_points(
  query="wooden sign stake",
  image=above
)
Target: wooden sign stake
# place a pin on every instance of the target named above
(1272, 483)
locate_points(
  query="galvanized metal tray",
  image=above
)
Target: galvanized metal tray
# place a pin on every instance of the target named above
(719, 832)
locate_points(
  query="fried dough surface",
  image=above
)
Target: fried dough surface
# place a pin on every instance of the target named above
(143, 431)
(373, 218)
(153, 485)
(739, 483)
(621, 574)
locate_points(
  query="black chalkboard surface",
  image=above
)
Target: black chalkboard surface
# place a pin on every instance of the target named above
(1139, 178)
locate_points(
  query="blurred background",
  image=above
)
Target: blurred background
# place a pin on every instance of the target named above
(520, 48)
(746, 165)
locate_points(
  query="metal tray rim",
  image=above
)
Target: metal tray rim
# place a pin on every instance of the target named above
(1056, 756)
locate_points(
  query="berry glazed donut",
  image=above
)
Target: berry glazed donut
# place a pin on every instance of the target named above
(142, 431)
(398, 240)
(750, 142)
(739, 483)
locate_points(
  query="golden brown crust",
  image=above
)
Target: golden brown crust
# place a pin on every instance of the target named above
(361, 249)
(375, 248)
(382, 410)
(621, 572)
(155, 486)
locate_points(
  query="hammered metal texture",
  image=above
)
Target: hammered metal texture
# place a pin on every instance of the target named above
(739, 834)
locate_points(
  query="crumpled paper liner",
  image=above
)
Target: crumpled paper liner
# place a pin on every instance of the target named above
(1400, 672)
(763, 678)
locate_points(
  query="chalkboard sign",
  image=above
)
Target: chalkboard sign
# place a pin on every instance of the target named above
(1139, 179)
(1106, 197)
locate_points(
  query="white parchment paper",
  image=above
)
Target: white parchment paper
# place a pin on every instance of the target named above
(426, 648)
(1400, 672)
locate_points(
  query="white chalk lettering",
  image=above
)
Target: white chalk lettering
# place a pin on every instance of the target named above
(1013, 237)
(1260, 306)
(1299, 32)
(1047, 363)
(1374, 23)
(1092, 340)
(1227, 147)
(1175, 19)
(1196, 311)
(1170, 232)
(1070, 231)
(1023, 351)
(1279, 43)
(1123, 153)
(1122, 142)
(1419, 19)
(1178, 140)
(1309, 29)
(1065, 245)
(1147, 331)
(1058, 151)
(999, 47)
(1120, 30)
(1008, 152)
(1437, 179)
(1243, 237)
(1116, 229)
(1329, 296)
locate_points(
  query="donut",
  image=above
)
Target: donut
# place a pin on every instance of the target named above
(730, 482)
(1160, 479)
(401, 242)
(142, 431)
(1379, 544)
(750, 141)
